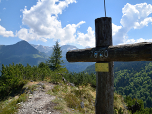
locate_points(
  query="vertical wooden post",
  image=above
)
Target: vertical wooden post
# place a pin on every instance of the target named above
(104, 80)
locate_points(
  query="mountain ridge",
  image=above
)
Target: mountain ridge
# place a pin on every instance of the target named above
(20, 52)
(23, 52)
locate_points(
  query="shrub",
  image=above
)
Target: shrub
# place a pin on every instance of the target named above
(72, 101)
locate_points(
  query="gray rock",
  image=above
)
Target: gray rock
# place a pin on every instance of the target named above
(72, 84)
(82, 104)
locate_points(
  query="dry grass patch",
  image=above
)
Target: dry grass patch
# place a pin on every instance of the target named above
(118, 103)
(69, 99)
(31, 83)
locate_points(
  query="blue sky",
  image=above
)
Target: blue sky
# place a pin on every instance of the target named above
(73, 21)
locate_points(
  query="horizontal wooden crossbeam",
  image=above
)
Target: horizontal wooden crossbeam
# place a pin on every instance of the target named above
(128, 52)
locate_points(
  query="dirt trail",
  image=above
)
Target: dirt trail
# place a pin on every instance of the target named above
(39, 102)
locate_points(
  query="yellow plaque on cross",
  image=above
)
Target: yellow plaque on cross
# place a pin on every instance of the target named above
(102, 67)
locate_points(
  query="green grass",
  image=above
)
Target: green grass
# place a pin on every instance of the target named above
(58, 107)
(60, 104)
(11, 106)
(72, 101)
(22, 98)
(32, 88)
(69, 98)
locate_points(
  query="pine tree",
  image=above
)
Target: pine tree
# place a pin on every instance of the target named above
(54, 62)
(42, 65)
(3, 71)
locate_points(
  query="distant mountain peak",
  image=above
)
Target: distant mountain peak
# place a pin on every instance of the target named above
(22, 41)
(23, 47)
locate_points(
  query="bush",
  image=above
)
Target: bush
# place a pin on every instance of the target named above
(72, 101)
(9, 85)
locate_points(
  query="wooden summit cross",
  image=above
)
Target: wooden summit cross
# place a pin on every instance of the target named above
(104, 54)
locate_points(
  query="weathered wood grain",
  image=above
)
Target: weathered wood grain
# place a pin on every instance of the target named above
(129, 52)
(103, 31)
(104, 80)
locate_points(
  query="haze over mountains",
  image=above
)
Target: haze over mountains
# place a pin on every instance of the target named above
(23, 52)
(48, 50)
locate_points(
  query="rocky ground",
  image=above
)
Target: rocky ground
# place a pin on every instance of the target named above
(39, 102)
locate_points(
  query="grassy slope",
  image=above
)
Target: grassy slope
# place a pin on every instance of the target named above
(68, 99)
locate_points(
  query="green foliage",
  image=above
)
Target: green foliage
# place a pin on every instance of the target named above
(120, 111)
(133, 79)
(72, 100)
(58, 107)
(56, 89)
(14, 77)
(54, 62)
(81, 78)
(42, 65)
(56, 78)
(135, 84)
(131, 83)
(10, 107)
(22, 98)
(10, 81)
(32, 88)
(142, 110)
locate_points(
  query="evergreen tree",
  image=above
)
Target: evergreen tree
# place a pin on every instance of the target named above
(3, 71)
(41, 65)
(54, 62)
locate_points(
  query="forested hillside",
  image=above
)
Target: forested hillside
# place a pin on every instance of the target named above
(133, 79)
(136, 66)
(137, 84)
(14, 77)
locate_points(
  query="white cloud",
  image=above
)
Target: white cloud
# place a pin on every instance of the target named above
(87, 39)
(4, 8)
(5, 33)
(68, 33)
(143, 23)
(131, 41)
(43, 23)
(134, 17)
(115, 29)
(26, 34)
